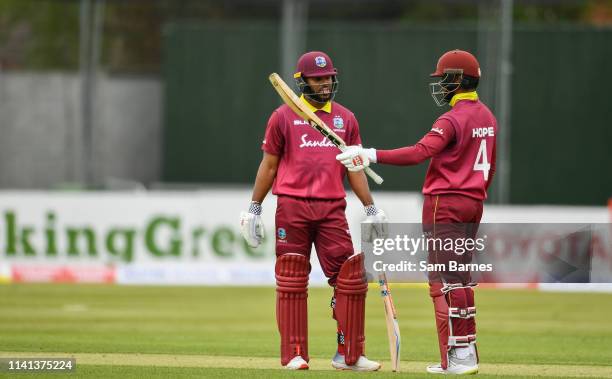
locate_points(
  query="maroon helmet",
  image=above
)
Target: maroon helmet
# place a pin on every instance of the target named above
(457, 61)
(456, 69)
(316, 64)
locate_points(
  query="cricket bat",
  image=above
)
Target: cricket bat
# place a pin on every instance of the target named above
(294, 102)
(393, 331)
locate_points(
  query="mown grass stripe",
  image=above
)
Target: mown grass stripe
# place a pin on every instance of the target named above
(208, 361)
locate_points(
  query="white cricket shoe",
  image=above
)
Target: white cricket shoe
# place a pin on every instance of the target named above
(456, 366)
(362, 364)
(297, 363)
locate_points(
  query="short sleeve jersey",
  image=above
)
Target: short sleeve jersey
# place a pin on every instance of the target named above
(308, 167)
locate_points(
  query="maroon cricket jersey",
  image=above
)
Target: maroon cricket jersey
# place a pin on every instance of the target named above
(461, 145)
(464, 166)
(308, 167)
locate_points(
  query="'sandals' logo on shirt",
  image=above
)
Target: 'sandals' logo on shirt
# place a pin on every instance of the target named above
(320, 61)
(338, 122)
(324, 142)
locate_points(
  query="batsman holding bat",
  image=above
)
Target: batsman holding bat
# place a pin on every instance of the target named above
(461, 145)
(299, 165)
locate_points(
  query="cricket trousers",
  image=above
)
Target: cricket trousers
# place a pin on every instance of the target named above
(300, 223)
(456, 217)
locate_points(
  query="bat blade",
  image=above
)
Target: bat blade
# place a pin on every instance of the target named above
(290, 98)
(393, 331)
(293, 101)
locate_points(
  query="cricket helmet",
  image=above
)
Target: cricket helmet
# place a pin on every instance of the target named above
(456, 69)
(457, 61)
(315, 64)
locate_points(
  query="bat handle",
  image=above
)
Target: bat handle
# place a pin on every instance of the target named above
(369, 172)
(375, 177)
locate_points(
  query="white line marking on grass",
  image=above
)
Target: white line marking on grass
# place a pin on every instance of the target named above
(222, 361)
(75, 308)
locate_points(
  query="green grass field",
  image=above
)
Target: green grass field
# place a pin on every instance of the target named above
(146, 332)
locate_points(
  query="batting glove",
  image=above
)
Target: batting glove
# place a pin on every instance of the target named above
(356, 158)
(375, 225)
(251, 225)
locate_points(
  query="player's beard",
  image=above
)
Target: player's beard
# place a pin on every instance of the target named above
(324, 97)
(320, 97)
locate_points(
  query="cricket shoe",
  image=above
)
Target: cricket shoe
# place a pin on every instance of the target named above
(362, 364)
(456, 366)
(297, 363)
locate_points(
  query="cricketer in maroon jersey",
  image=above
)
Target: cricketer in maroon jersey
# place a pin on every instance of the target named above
(461, 146)
(300, 166)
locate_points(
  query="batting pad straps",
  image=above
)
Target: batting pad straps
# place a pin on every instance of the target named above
(468, 312)
(291, 305)
(351, 289)
(449, 287)
(455, 311)
(455, 341)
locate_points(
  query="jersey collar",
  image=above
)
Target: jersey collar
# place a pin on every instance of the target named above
(326, 108)
(473, 96)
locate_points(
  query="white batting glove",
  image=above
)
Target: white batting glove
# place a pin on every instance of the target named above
(356, 158)
(375, 225)
(251, 225)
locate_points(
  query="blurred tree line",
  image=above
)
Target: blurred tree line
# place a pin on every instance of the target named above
(44, 34)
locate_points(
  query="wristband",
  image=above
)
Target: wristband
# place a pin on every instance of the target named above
(371, 210)
(255, 208)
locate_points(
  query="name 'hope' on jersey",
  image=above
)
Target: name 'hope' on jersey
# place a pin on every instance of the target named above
(308, 167)
(465, 166)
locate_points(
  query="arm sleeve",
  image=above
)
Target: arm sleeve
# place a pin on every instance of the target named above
(493, 166)
(441, 134)
(274, 141)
